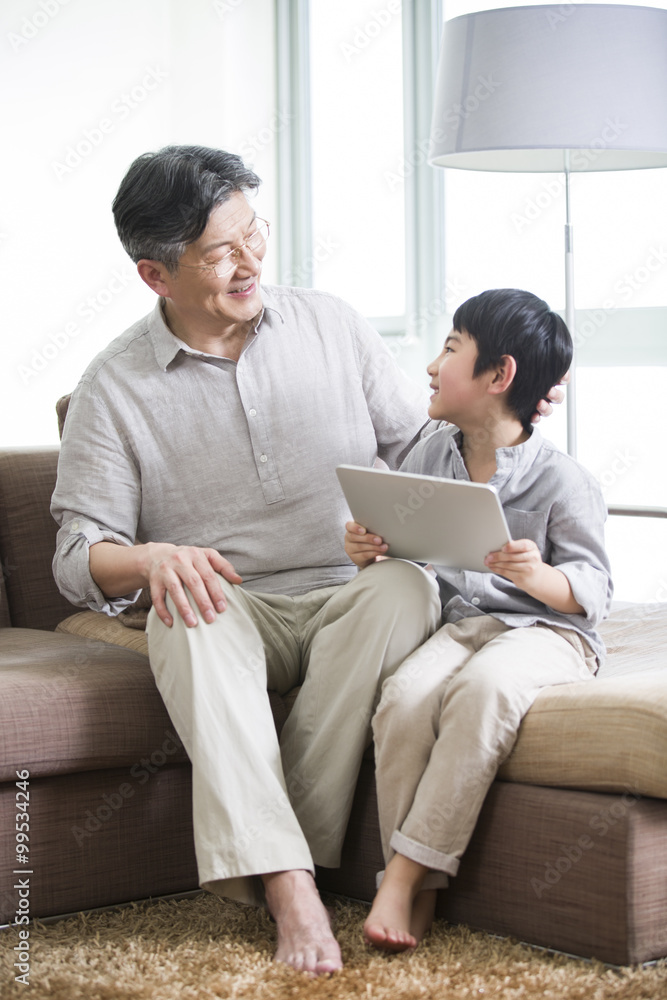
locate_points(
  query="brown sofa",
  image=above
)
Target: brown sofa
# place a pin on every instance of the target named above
(570, 851)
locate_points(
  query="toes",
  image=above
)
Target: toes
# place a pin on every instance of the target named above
(375, 934)
(388, 938)
(311, 960)
(325, 966)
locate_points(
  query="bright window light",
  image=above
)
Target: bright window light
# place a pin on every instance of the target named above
(357, 153)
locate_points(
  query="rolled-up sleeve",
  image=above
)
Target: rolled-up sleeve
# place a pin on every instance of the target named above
(576, 533)
(97, 498)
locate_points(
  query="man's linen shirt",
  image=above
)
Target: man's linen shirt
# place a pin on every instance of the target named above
(547, 497)
(166, 444)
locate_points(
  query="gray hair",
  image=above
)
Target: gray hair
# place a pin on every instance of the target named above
(165, 199)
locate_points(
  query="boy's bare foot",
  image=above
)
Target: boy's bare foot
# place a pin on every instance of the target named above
(423, 912)
(305, 940)
(390, 923)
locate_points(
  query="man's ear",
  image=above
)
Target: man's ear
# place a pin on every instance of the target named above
(503, 375)
(156, 276)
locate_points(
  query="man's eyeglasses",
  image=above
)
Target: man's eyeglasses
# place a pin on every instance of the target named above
(254, 243)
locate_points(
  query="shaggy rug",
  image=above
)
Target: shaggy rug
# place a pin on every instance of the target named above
(204, 947)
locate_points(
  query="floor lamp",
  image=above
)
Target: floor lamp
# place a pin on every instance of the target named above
(579, 87)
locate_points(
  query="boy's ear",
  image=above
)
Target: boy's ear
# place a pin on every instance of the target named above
(503, 375)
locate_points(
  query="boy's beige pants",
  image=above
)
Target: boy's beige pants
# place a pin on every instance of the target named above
(260, 806)
(446, 721)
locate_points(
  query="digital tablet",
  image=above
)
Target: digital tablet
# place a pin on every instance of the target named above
(446, 522)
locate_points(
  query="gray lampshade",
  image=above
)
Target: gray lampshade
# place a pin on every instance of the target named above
(519, 86)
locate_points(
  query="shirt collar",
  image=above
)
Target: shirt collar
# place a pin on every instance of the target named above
(167, 345)
(519, 455)
(508, 460)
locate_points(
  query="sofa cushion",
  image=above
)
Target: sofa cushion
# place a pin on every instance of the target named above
(94, 625)
(605, 735)
(609, 735)
(71, 704)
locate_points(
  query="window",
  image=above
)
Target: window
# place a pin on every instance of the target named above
(507, 230)
(356, 104)
(499, 230)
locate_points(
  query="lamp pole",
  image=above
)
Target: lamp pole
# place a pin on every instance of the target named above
(569, 315)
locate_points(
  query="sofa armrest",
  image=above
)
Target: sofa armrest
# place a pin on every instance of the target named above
(28, 539)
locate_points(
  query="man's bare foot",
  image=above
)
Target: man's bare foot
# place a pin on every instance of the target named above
(389, 924)
(305, 940)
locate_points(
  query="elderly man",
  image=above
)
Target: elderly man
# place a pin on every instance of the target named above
(198, 460)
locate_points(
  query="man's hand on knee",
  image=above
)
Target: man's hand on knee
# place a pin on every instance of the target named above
(169, 569)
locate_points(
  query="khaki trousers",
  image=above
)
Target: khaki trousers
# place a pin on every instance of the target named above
(258, 806)
(448, 718)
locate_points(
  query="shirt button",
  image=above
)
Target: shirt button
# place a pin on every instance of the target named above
(74, 526)
(252, 413)
(475, 600)
(263, 458)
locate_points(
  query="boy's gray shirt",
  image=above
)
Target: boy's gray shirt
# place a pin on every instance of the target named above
(547, 497)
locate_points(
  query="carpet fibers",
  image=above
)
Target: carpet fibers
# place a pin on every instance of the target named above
(204, 947)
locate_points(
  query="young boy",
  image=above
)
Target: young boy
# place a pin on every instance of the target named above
(451, 713)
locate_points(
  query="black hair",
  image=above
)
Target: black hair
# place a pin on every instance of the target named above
(165, 199)
(509, 321)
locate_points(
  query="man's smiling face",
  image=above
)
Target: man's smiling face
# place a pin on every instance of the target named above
(195, 292)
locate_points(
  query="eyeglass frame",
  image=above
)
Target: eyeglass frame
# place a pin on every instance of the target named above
(235, 253)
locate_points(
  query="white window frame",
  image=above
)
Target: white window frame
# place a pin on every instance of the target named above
(424, 187)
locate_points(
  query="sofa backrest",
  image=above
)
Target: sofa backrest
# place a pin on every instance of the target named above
(29, 597)
(4, 607)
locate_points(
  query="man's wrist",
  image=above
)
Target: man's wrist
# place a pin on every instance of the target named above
(118, 569)
(147, 553)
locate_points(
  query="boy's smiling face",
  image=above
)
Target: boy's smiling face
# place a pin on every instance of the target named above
(457, 394)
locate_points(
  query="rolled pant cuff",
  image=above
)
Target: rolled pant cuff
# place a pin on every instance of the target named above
(423, 855)
(432, 880)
